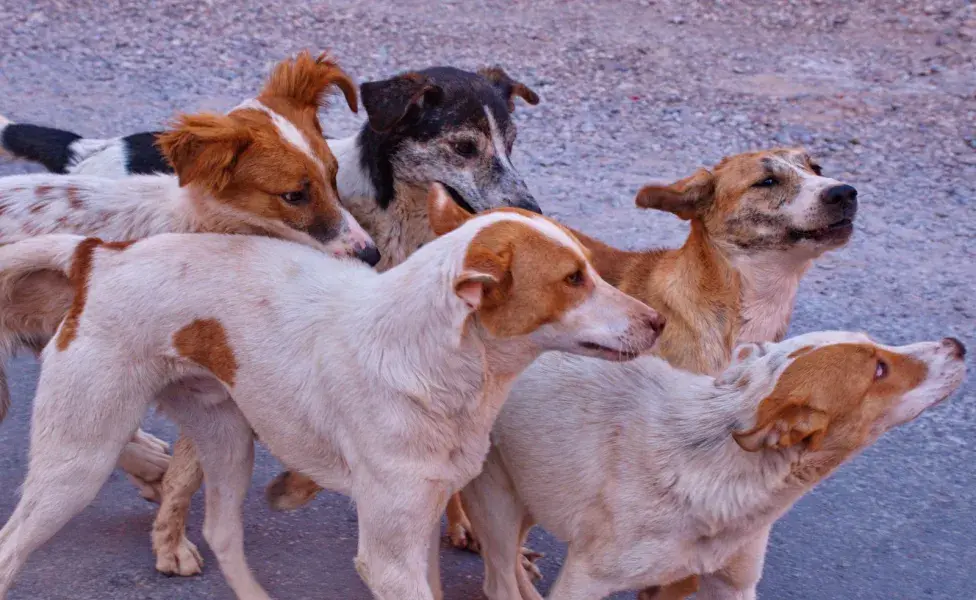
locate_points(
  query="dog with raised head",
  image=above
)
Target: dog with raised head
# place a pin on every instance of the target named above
(440, 124)
(261, 169)
(382, 386)
(653, 474)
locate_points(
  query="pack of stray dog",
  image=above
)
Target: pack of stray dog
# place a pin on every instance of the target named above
(394, 318)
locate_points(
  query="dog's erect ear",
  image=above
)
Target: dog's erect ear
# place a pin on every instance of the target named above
(791, 423)
(308, 81)
(390, 101)
(483, 270)
(684, 198)
(203, 148)
(508, 87)
(443, 212)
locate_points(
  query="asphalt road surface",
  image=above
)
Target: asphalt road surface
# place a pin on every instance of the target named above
(884, 95)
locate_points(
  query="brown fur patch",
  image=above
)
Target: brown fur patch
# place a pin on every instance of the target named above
(204, 341)
(74, 198)
(79, 275)
(118, 245)
(43, 191)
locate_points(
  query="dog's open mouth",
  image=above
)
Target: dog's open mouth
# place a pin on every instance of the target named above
(841, 229)
(607, 353)
(458, 198)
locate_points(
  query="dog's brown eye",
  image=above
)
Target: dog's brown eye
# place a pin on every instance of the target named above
(881, 370)
(576, 279)
(296, 198)
(816, 169)
(768, 182)
(465, 148)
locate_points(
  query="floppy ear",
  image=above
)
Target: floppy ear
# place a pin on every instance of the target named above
(203, 148)
(443, 212)
(388, 102)
(307, 81)
(682, 198)
(508, 87)
(791, 424)
(483, 270)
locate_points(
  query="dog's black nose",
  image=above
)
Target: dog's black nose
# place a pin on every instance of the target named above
(528, 204)
(955, 347)
(369, 254)
(840, 194)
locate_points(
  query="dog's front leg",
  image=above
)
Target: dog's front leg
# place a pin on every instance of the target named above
(175, 554)
(396, 525)
(576, 583)
(739, 578)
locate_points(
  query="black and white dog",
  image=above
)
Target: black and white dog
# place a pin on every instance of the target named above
(439, 124)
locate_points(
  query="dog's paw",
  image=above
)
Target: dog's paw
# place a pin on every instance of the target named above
(150, 441)
(181, 558)
(462, 538)
(290, 491)
(150, 491)
(528, 557)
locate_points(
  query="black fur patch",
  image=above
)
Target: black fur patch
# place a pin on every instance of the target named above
(45, 145)
(460, 105)
(142, 156)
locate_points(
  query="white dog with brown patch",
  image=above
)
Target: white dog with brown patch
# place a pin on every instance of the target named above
(380, 386)
(261, 169)
(653, 475)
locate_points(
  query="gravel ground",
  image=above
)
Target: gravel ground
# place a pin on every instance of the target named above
(884, 94)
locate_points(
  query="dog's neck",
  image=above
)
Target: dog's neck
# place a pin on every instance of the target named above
(769, 283)
(712, 298)
(429, 347)
(393, 212)
(725, 489)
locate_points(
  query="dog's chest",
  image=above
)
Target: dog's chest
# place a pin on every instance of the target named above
(398, 230)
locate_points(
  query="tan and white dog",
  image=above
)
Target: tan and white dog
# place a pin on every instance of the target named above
(262, 169)
(382, 386)
(653, 474)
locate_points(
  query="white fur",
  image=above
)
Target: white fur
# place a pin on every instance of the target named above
(635, 467)
(352, 180)
(380, 386)
(103, 158)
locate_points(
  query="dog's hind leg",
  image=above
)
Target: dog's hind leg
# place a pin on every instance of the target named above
(82, 420)
(498, 517)
(175, 554)
(225, 445)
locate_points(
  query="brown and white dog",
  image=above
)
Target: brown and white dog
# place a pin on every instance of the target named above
(653, 474)
(262, 169)
(440, 124)
(758, 220)
(382, 386)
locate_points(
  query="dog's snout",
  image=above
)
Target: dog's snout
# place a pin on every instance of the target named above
(655, 322)
(528, 204)
(844, 195)
(956, 348)
(369, 254)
